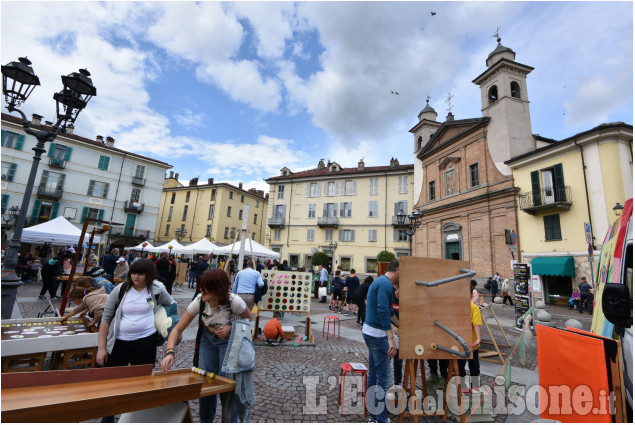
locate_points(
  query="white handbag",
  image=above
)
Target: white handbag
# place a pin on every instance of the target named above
(322, 291)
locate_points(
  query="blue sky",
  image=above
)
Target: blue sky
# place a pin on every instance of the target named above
(238, 90)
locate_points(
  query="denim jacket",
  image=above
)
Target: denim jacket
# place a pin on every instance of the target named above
(240, 359)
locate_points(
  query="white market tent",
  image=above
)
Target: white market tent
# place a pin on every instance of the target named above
(259, 250)
(58, 231)
(177, 248)
(139, 247)
(203, 246)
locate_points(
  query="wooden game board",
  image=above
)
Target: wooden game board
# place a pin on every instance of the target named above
(289, 291)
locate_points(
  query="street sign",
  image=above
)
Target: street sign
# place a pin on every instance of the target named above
(587, 233)
(513, 237)
(512, 248)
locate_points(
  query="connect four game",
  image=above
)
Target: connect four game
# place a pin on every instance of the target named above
(288, 291)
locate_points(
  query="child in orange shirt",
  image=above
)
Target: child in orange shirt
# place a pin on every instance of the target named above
(273, 329)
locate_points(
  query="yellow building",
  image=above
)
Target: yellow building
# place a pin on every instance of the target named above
(563, 185)
(356, 208)
(212, 210)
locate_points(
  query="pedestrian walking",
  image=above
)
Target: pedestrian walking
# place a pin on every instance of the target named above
(246, 283)
(586, 295)
(506, 295)
(494, 287)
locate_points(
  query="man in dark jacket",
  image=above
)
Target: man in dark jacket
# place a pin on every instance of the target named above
(360, 299)
(51, 269)
(352, 284)
(110, 262)
(337, 286)
(164, 269)
(201, 267)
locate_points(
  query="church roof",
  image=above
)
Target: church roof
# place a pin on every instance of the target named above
(499, 49)
(428, 108)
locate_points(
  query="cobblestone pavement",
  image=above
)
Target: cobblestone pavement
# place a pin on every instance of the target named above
(300, 384)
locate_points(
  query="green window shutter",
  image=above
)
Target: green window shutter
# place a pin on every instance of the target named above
(11, 172)
(36, 211)
(51, 150)
(4, 134)
(106, 162)
(100, 215)
(558, 182)
(84, 214)
(100, 163)
(54, 210)
(535, 188)
(91, 187)
(106, 186)
(60, 182)
(20, 142)
(69, 152)
(45, 177)
(5, 202)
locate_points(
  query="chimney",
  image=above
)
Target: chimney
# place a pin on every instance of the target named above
(260, 192)
(360, 165)
(70, 129)
(100, 139)
(394, 162)
(171, 174)
(36, 119)
(49, 123)
(210, 180)
(110, 142)
(321, 165)
(194, 181)
(176, 176)
(240, 185)
(267, 197)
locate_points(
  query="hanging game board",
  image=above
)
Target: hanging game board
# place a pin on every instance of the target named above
(288, 291)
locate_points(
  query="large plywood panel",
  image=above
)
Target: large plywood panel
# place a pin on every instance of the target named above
(420, 306)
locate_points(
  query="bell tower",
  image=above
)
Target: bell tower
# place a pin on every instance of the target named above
(505, 100)
(422, 132)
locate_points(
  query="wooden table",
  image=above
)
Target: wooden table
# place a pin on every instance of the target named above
(84, 394)
(65, 277)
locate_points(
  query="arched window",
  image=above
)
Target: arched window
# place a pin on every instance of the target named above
(515, 88)
(492, 94)
(420, 142)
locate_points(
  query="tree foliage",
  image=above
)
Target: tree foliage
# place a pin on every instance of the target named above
(320, 258)
(386, 256)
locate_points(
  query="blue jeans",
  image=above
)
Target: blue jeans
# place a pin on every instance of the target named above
(211, 355)
(378, 376)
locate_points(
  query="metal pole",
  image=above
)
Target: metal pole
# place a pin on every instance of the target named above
(243, 232)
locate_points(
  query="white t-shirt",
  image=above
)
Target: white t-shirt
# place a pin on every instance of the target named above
(137, 315)
(219, 316)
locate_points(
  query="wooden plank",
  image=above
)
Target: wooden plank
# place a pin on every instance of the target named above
(84, 400)
(58, 377)
(420, 306)
(218, 385)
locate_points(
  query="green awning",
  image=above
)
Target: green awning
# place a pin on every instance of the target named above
(554, 266)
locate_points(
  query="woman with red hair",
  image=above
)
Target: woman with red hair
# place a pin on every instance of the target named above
(218, 308)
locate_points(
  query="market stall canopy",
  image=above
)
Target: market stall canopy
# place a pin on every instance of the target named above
(139, 247)
(553, 266)
(203, 246)
(177, 248)
(259, 250)
(58, 231)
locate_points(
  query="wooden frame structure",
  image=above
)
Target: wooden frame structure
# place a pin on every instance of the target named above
(486, 354)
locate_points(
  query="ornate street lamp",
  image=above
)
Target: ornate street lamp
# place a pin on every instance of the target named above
(180, 234)
(414, 218)
(18, 82)
(618, 208)
(12, 214)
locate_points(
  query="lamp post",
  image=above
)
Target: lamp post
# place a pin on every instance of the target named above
(180, 234)
(618, 208)
(18, 82)
(13, 214)
(332, 248)
(414, 220)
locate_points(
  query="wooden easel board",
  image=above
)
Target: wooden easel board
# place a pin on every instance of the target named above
(181, 273)
(420, 306)
(288, 291)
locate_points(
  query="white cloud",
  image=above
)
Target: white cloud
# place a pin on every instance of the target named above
(190, 118)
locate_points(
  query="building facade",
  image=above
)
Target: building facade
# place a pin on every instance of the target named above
(355, 208)
(79, 178)
(213, 210)
(564, 185)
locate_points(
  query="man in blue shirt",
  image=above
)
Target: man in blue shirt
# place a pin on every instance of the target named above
(380, 340)
(246, 283)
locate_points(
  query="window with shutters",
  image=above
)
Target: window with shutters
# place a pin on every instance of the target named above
(313, 190)
(12, 140)
(372, 235)
(173, 197)
(547, 185)
(401, 207)
(346, 262)
(187, 196)
(552, 227)
(242, 198)
(240, 214)
(373, 208)
(226, 234)
(330, 210)
(170, 213)
(277, 234)
(59, 152)
(229, 211)
(185, 208)
(98, 189)
(231, 195)
(255, 218)
(5, 203)
(257, 203)
(281, 191)
(310, 234)
(104, 162)
(350, 187)
(210, 214)
(400, 235)
(8, 171)
(374, 186)
(474, 175)
(331, 189)
(346, 209)
(232, 233)
(167, 230)
(47, 211)
(135, 195)
(279, 211)
(347, 235)
(311, 210)
(213, 196)
(402, 185)
(208, 231)
(432, 191)
(328, 235)
(140, 171)
(371, 265)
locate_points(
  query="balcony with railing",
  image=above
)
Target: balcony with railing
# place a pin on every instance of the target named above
(276, 222)
(133, 207)
(49, 193)
(395, 222)
(129, 232)
(547, 198)
(139, 181)
(324, 222)
(57, 163)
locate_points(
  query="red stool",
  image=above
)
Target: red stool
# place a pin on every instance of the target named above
(326, 324)
(346, 368)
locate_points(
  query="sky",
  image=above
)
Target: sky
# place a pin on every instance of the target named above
(238, 90)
